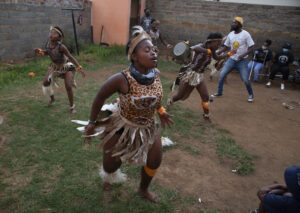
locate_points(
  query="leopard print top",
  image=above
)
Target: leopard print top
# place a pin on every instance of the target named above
(140, 103)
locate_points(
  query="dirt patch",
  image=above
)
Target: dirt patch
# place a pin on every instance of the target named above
(265, 128)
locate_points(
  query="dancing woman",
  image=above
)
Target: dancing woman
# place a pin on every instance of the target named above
(130, 133)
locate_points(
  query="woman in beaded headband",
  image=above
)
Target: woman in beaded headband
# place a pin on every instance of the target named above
(60, 66)
(127, 128)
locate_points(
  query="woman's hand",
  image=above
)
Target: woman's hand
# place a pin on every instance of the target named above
(82, 73)
(165, 118)
(89, 130)
(169, 46)
(39, 51)
(79, 68)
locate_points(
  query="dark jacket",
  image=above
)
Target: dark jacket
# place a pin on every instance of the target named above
(262, 55)
(284, 58)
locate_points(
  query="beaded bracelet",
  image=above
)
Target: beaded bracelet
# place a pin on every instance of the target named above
(229, 53)
(92, 122)
(161, 110)
(41, 52)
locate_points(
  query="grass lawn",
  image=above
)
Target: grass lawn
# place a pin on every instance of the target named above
(46, 167)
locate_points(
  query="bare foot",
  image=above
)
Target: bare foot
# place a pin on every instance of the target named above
(51, 102)
(73, 111)
(106, 186)
(148, 195)
(2, 140)
(206, 119)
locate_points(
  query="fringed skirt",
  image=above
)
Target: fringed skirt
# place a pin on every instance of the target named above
(59, 70)
(134, 141)
(191, 77)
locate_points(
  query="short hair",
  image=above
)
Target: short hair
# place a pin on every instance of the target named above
(268, 41)
(154, 20)
(287, 45)
(214, 36)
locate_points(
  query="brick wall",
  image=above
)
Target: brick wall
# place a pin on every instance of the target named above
(55, 3)
(194, 19)
(24, 24)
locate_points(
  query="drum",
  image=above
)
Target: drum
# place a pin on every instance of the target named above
(181, 53)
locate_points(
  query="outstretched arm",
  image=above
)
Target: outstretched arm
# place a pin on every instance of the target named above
(40, 51)
(164, 42)
(224, 48)
(199, 49)
(224, 55)
(65, 50)
(116, 83)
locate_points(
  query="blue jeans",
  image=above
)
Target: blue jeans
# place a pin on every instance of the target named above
(242, 67)
(256, 68)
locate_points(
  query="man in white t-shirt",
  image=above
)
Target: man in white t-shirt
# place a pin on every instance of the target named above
(241, 41)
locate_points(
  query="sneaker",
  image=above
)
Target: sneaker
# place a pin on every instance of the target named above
(250, 98)
(268, 84)
(216, 95)
(282, 86)
(255, 211)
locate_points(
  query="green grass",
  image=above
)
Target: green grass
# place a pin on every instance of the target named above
(46, 167)
(243, 161)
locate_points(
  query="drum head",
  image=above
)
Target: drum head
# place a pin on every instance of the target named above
(180, 49)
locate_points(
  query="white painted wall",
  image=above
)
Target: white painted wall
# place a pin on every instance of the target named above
(295, 3)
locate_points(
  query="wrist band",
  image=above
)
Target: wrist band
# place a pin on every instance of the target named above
(92, 122)
(161, 110)
(79, 68)
(41, 52)
(208, 51)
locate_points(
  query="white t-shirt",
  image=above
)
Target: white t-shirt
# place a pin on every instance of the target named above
(241, 41)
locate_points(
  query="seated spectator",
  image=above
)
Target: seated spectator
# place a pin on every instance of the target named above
(280, 198)
(281, 64)
(295, 77)
(260, 57)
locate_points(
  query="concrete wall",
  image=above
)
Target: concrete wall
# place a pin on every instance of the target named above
(24, 25)
(114, 16)
(195, 19)
(266, 2)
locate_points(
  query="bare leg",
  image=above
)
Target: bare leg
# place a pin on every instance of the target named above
(68, 85)
(202, 90)
(110, 164)
(153, 162)
(183, 92)
(46, 83)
